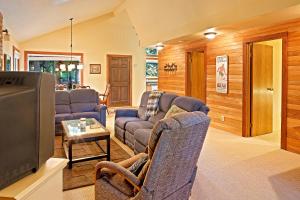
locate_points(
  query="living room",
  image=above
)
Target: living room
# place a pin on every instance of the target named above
(128, 72)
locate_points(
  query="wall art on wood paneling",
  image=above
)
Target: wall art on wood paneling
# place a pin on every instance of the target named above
(95, 68)
(222, 74)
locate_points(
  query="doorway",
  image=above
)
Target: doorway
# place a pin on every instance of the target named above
(264, 110)
(196, 75)
(119, 75)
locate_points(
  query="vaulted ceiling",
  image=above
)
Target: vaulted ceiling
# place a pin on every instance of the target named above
(26, 19)
(154, 20)
(160, 20)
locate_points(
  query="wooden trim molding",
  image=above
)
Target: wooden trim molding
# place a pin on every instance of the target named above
(26, 53)
(247, 83)
(108, 74)
(13, 57)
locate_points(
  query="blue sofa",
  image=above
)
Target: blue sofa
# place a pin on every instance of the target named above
(76, 104)
(133, 129)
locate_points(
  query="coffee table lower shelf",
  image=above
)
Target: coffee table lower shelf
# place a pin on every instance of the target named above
(69, 150)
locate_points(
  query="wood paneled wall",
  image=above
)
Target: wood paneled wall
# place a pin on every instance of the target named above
(230, 105)
(172, 81)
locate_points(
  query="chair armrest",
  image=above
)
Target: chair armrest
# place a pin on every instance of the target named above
(100, 108)
(127, 112)
(116, 168)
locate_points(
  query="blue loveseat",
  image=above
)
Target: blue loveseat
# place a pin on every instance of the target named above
(133, 129)
(76, 104)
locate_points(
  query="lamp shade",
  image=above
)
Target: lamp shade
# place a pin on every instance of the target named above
(62, 67)
(80, 66)
(71, 67)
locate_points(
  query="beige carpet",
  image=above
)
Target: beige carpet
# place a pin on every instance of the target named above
(236, 168)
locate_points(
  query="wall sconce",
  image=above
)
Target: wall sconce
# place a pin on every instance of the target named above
(6, 35)
(170, 67)
(210, 35)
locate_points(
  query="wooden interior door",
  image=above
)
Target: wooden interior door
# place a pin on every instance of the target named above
(119, 78)
(196, 75)
(262, 90)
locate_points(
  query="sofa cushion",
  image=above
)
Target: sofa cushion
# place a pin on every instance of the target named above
(132, 126)
(83, 107)
(121, 121)
(142, 136)
(165, 101)
(84, 96)
(62, 98)
(62, 117)
(95, 115)
(60, 109)
(190, 104)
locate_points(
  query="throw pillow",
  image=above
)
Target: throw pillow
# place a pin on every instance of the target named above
(138, 165)
(153, 103)
(173, 111)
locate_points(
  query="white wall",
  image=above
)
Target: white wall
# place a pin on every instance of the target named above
(109, 34)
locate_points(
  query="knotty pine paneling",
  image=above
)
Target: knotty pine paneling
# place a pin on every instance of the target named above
(230, 105)
(172, 81)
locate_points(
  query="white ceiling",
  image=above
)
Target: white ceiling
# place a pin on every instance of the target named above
(26, 19)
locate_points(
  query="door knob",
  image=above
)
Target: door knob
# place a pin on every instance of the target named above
(270, 89)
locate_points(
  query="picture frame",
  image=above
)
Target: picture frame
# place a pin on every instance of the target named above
(222, 74)
(95, 68)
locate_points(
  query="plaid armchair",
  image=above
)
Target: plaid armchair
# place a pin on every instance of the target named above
(173, 151)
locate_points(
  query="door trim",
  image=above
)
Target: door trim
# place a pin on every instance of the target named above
(247, 84)
(13, 57)
(187, 85)
(108, 75)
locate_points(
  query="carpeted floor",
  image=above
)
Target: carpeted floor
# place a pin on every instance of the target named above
(231, 167)
(83, 174)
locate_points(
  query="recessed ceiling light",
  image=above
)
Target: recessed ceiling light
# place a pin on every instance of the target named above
(159, 46)
(210, 35)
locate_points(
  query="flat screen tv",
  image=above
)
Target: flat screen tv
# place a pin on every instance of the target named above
(26, 123)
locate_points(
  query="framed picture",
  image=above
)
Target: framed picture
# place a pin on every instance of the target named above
(222, 74)
(95, 68)
(151, 52)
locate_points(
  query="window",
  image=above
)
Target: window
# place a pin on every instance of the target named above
(151, 68)
(62, 77)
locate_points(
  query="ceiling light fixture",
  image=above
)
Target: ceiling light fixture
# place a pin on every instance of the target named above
(210, 35)
(159, 46)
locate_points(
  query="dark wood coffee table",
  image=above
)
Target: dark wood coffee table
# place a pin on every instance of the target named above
(94, 132)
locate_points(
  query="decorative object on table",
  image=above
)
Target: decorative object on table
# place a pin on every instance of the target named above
(95, 68)
(103, 98)
(82, 124)
(222, 74)
(72, 65)
(170, 67)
